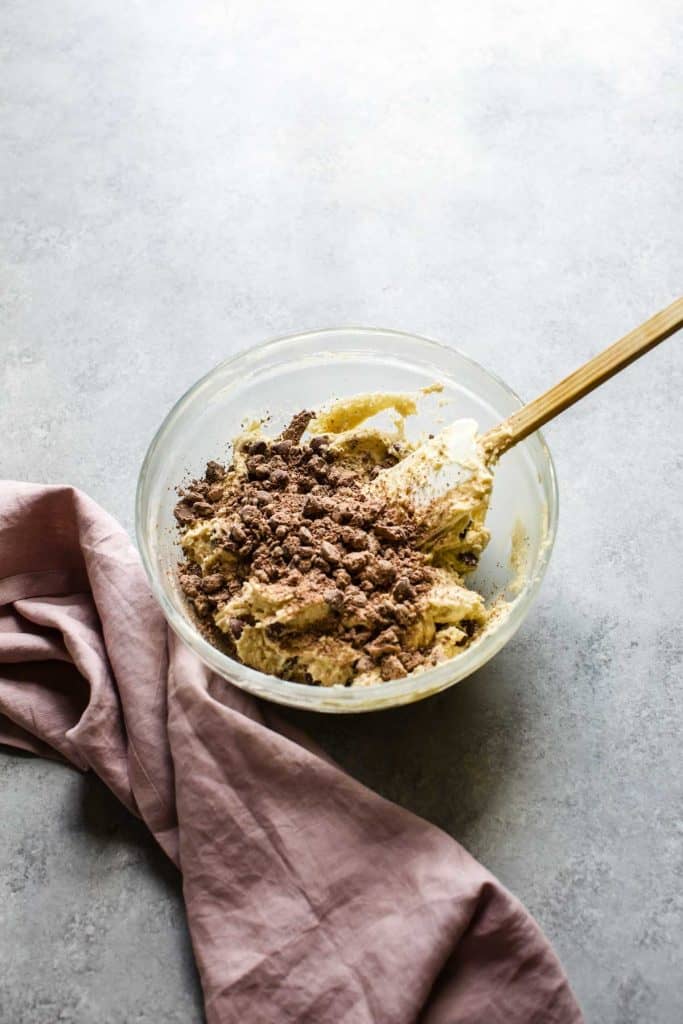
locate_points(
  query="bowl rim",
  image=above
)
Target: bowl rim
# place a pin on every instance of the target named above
(337, 699)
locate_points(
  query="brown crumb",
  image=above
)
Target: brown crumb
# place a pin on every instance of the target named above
(301, 518)
(297, 426)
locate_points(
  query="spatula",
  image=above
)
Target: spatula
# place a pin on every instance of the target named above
(596, 371)
(431, 477)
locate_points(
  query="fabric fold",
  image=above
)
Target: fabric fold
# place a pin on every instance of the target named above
(309, 897)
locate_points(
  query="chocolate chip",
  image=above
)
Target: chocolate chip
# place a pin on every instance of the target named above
(390, 534)
(354, 539)
(192, 496)
(361, 636)
(202, 508)
(215, 493)
(189, 584)
(404, 614)
(330, 552)
(411, 660)
(391, 668)
(281, 532)
(386, 610)
(290, 545)
(280, 516)
(263, 497)
(280, 479)
(214, 471)
(313, 508)
(256, 447)
(334, 598)
(383, 645)
(355, 562)
(341, 515)
(390, 636)
(319, 442)
(404, 591)
(249, 514)
(319, 468)
(212, 583)
(238, 534)
(364, 664)
(184, 514)
(297, 426)
(201, 604)
(257, 469)
(283, 448)
(383, 572)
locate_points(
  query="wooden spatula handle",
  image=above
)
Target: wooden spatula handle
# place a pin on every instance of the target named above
(589, 376)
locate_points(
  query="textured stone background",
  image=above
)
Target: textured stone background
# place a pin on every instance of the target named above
(181, 179)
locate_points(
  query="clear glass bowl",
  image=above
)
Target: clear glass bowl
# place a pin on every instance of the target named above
(304, 371)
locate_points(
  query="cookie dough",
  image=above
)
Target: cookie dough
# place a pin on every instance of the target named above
(336, 553)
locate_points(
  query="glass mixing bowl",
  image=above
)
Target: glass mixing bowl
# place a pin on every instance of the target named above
(302, 372)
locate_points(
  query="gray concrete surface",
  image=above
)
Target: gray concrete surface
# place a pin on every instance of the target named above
(183, 179)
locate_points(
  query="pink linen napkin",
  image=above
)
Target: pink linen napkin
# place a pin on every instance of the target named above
(309, 898)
